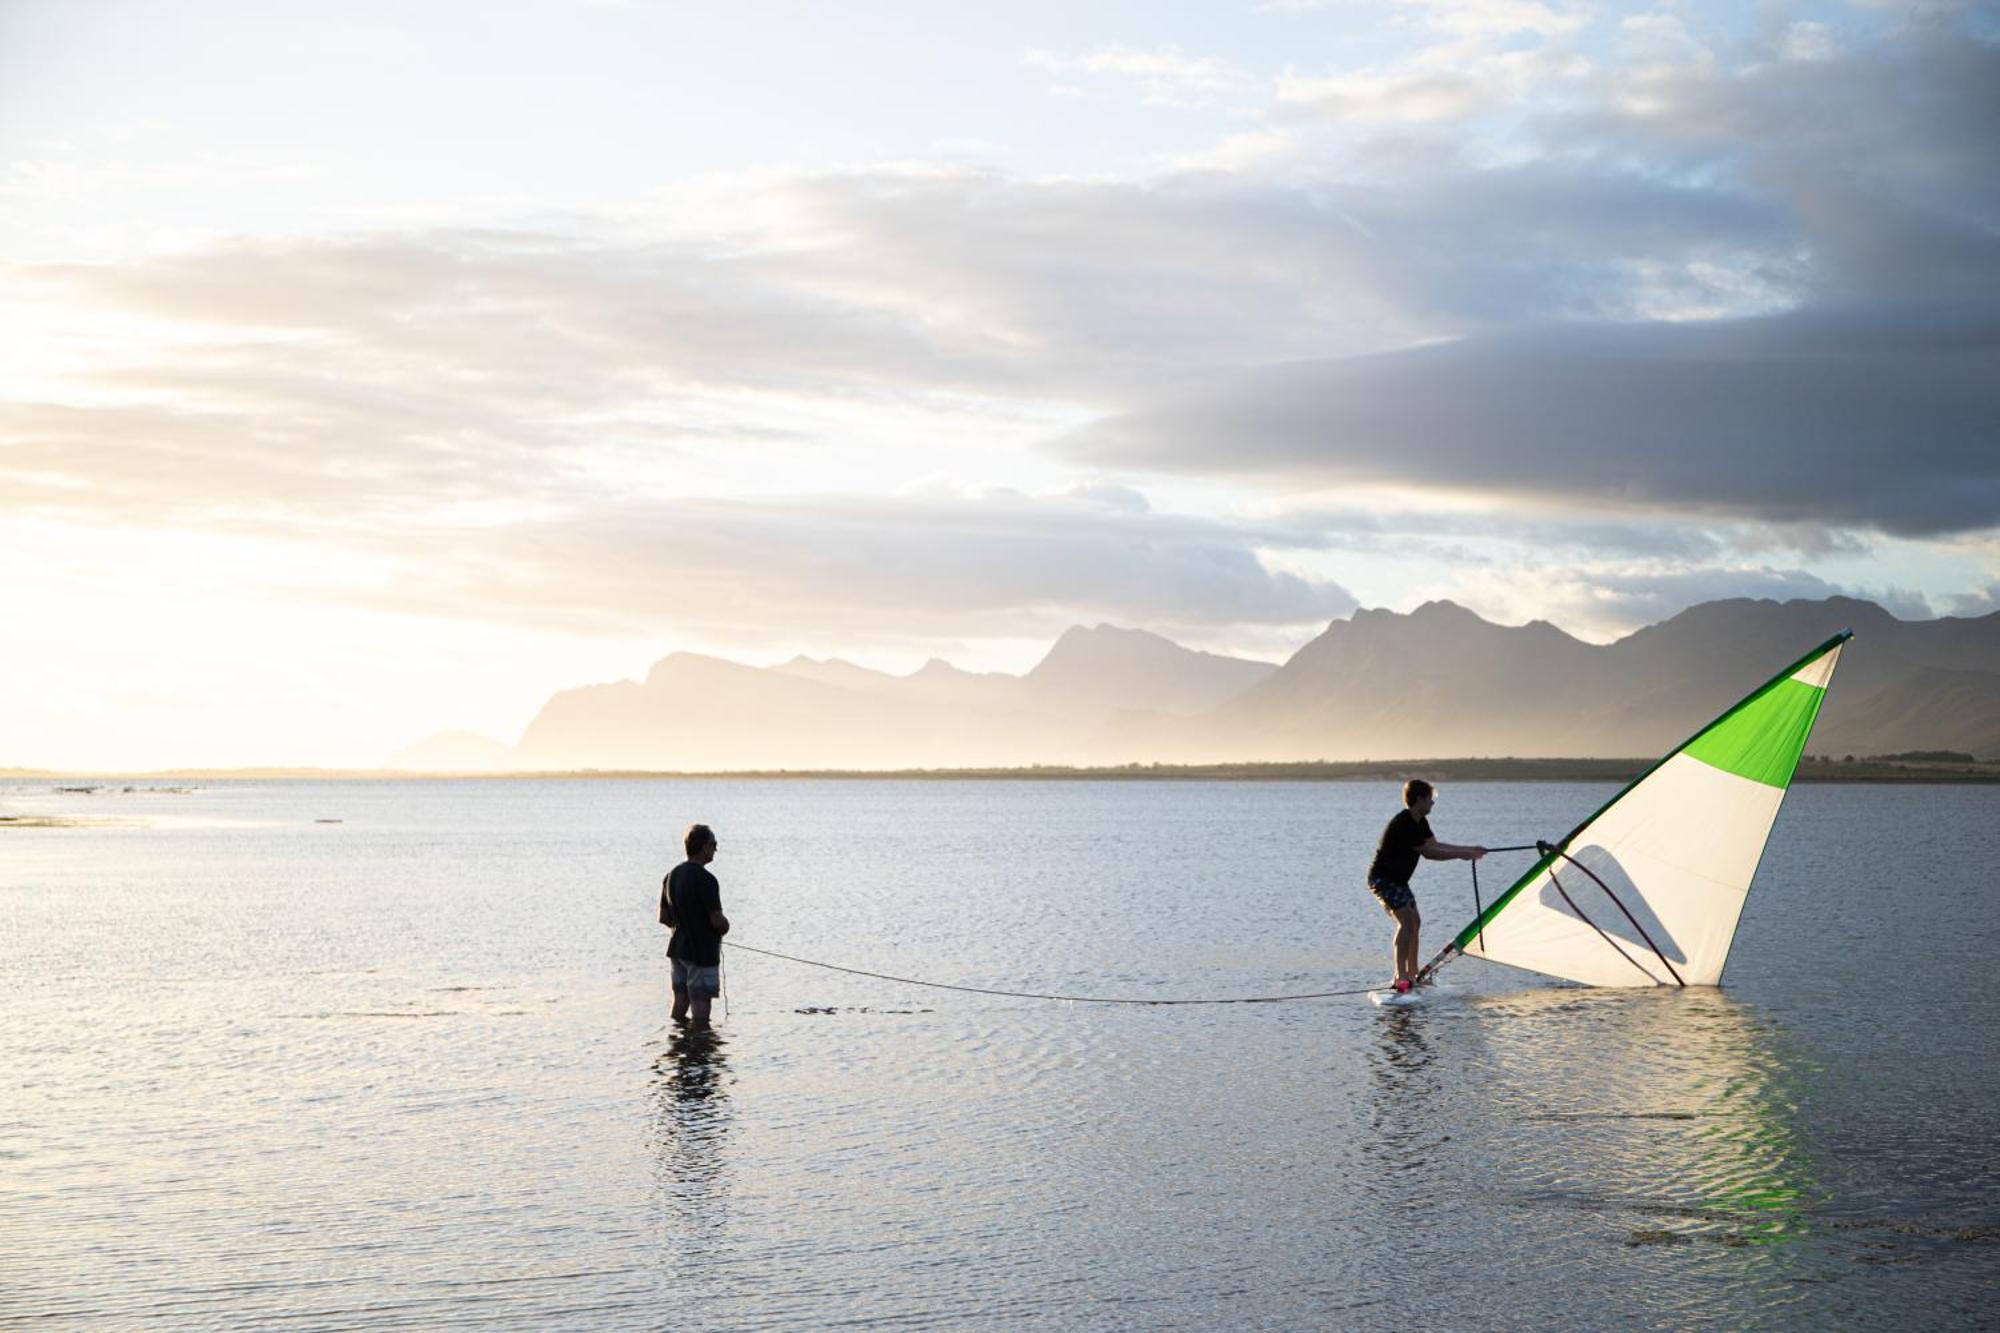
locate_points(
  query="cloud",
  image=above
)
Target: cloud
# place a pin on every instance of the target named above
(1399, 96)
(1866, 179)
(1641, 598)
(1493, 18)
(1869, 422)
(1600, 290)
(1165, 76)
(1606, 601)
(968, 281)
(1453, 81)
(1979, 602)
(1881, 156)
(525, 312)
(1751, 292)
(1806, 40)
(1499, 18)
(979, 563)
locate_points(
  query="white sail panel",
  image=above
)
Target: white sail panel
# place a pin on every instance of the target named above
(1678, 852)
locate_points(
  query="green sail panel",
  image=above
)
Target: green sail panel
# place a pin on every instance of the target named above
(1763, 738)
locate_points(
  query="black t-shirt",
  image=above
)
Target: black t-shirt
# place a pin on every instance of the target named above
(1396, 855)
(693, 894)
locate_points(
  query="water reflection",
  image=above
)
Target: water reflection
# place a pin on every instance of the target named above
(1654, 1133)
(1406, 1124)
(1678, 1105)
(691, 1121)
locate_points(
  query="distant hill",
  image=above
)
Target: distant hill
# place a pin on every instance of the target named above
(695, 712)
(1931, 709)
(1442, 681)
(1439, 681)
(834, 671)
(1106, 670)
(454, 752)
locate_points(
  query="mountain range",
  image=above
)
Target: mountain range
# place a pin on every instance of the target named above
(1436, 682)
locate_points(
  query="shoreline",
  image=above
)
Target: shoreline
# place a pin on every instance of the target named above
(1813, 770)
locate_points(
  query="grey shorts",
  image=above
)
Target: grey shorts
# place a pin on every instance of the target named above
(696, 979)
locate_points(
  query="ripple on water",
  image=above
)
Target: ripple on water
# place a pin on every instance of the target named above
(419, 1073)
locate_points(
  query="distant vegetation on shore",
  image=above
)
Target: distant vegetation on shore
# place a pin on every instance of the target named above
(1815, 769)
(1945, 766)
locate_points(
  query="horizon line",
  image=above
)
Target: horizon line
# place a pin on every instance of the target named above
(1463, 768)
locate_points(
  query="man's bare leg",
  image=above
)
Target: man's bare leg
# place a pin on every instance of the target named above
(698, 1014)
(1407, 926)
(680, 1004)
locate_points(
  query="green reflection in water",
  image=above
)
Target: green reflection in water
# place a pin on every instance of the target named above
(1678, 1106)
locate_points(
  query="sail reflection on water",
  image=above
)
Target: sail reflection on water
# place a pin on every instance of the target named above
(1678, 1105)
(1651, 1134)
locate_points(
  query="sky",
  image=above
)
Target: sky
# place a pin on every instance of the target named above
(373, 370)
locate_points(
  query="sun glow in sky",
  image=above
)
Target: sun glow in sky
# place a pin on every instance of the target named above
(372, 370)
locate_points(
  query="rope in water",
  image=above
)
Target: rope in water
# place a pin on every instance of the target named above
(1040, 995)
(1085, 999)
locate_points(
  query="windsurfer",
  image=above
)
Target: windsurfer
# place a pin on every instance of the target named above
(1406, 838)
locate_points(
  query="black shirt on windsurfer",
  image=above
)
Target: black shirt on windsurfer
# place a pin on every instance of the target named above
(1406, 838)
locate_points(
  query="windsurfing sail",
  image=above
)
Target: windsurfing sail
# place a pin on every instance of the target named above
(1647, 891)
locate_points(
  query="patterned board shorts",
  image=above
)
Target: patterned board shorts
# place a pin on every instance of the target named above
(1394, 896)
(696, 979)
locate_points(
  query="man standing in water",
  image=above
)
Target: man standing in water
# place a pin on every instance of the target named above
(1407, 837)
(691, 903)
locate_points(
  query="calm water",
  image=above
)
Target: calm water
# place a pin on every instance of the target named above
(412, 1068)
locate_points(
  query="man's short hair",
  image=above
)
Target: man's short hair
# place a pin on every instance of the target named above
(1415, 790)
(698, 837)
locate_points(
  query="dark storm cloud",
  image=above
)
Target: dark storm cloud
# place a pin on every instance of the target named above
(1875, 420)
